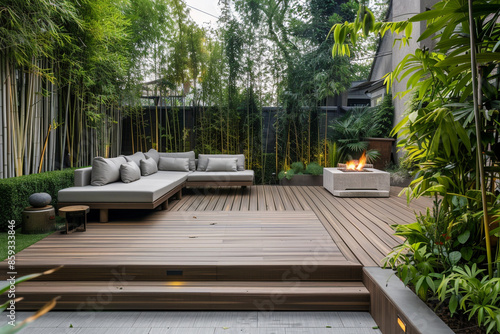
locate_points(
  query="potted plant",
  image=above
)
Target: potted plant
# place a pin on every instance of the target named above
(350, 135)
(297, 175)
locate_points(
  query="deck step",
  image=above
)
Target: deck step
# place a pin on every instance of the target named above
(293, 271)
(184, 295)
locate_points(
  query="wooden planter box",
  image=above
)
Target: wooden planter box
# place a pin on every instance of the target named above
(303, 180)
(384, 146)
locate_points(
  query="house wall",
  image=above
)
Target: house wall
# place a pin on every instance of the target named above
(377, 96)
(389, 56)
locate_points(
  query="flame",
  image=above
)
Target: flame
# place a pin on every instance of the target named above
(356, 164)
(362, 162)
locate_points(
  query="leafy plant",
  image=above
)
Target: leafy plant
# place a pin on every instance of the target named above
(417, 265)
(437, 242)
(350, 131)
(439, 132)
(297, 168)
(335, 154)
(288, 174)
(384, 117)
(470, 290)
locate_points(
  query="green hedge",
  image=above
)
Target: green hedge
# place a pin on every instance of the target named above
(15, 192)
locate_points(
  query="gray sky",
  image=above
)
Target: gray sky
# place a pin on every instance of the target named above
(208, 6)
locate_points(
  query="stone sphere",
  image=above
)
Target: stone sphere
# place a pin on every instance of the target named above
(39, 200)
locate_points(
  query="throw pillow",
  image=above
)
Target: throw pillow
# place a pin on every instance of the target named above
(174, 164)
(152, 153)
(190, 155)
(203, 160)
(136, 157)
(148, 166)
(130, 172)
(105, 171)
(222, 165)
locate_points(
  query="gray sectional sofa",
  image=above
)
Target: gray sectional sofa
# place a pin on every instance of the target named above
(146, 181)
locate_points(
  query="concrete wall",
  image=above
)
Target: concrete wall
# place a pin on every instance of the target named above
(388, 57)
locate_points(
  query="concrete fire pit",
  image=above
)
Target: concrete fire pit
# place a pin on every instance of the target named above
(370, 182)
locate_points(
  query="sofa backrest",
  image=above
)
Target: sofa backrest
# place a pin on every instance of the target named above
(203, 160)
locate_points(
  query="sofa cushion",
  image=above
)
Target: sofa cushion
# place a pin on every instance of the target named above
(152, 153)
(246, 175)
(130, 172)
(203, 160)
(106, 171)
(148, 166)
(136, 157)
(190, 155)
(221, 165)
(174, 164)
(146, 190)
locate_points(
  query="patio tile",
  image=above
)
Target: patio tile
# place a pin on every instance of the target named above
(357, 319)
(225, 319)
(114, 319)
(52, 319)
(181, 330)
(165, 319)
(114, 331)
(332, 331)
(250, 331)
(299, 319)
(50, 330)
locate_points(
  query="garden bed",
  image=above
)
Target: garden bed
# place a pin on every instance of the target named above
(303, 180)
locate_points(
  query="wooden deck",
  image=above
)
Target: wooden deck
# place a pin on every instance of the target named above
(222, 248)
(208, 245)
(360, 227)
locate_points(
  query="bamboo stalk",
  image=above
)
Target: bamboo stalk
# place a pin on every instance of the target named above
(65, 131)
(3, 118)
(9, 120)
(479, 150)
(44, 148)
(132, 131)
(80, 161)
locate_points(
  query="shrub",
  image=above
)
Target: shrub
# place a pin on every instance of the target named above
(470, 290)
(298, 167)
(288, 174)
(384, 117)
(314, 169)
(15, 192)
(335, 154)
(350, 131)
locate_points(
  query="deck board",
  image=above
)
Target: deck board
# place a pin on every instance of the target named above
(230, 244)
(263, 225)
(361, 227)
(162, 239)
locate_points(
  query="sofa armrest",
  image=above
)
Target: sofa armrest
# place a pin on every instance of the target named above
(83, 176)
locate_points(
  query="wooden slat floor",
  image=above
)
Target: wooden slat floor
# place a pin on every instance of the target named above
(207, 245)
(360, 227)
(223, 248)
(231, 226)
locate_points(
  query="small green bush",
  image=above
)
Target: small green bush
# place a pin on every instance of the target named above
(288, 174)
(15, 192)
(298, 167)
(314, 169)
